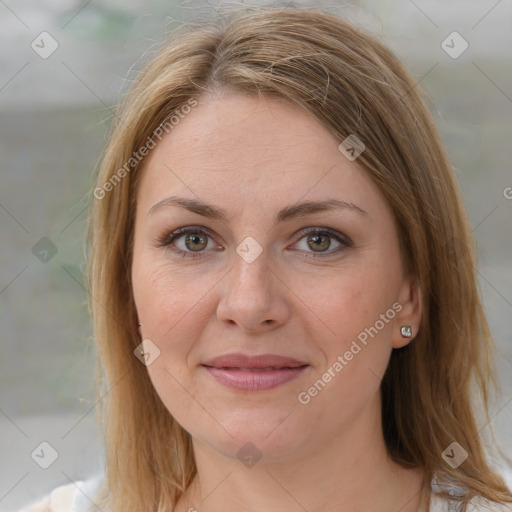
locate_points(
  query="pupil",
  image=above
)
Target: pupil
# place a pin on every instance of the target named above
(318, 244)
(195, 239)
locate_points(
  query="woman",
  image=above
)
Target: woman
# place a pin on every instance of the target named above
(283, 285)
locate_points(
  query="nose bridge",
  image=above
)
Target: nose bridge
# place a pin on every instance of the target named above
(250, 298)
(250, 274)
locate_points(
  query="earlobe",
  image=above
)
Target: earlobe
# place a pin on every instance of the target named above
(408, 320)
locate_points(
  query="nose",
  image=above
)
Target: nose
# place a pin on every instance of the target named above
(253, 296)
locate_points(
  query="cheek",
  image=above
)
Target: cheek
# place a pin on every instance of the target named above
(168, 298)
(349, 301)
(172, 384)
(357, 324)
(356, 355)
(169, 305)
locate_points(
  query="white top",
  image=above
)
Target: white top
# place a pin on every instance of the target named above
(79, 497)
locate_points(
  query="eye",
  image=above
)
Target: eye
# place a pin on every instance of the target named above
(193, 241)
(188, 242)
(319, 240)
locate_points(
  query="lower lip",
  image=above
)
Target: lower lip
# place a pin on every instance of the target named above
(254, 380)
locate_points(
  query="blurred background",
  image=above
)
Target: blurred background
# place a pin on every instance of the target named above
(63, 65)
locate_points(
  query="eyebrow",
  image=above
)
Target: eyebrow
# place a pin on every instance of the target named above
(289, 212)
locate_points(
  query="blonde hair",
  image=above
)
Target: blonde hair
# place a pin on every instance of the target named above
(352, 84)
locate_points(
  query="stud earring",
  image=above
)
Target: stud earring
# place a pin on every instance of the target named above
(406, 331)
(139, 324)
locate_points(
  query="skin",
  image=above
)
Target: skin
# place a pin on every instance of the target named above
(252, 156)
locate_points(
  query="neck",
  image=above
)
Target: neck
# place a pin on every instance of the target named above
(350, 469)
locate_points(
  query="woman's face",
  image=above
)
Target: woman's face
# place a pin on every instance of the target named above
(259, 275)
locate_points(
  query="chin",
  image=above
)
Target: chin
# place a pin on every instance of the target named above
(270, 437)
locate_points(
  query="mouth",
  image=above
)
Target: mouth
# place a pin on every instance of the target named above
(267, 369)
(254, 373)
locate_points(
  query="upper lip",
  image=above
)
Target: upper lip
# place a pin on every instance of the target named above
(260, 361)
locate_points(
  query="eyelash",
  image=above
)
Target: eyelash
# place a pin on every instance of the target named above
(167, 240)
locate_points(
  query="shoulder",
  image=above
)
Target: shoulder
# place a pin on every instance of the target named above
(60, 499)
(74, 497)
(484, 505)
(439, 504)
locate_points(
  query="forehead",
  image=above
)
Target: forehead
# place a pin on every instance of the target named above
(250, 130)
(244, 150)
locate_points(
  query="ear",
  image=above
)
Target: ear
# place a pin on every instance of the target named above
(409, 297)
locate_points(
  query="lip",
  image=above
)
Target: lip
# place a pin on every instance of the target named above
(254, 373)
